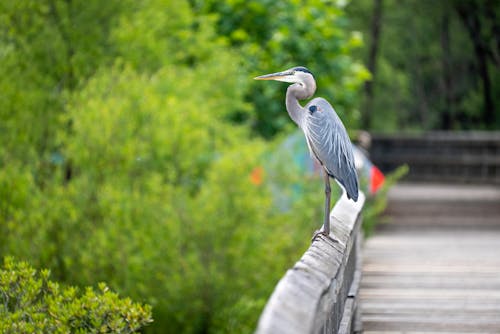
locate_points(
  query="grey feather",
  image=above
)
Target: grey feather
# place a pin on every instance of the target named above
(329, 143)
(325, 134)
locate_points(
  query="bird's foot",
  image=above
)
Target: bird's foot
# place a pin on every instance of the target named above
(325, 234)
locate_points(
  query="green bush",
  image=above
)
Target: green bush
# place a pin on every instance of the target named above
(121, 161)
(31, 303)
(375, 205)
(160, 204)
(274, 35)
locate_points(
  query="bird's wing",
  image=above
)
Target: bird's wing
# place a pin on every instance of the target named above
(329, 143)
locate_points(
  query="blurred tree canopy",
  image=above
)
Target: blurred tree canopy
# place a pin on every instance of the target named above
(129, 131)
(435, 65)
(275, 35)
(132, 135)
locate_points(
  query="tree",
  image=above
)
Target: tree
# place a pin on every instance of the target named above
(275, 35)
(372, 62)
(473, 15)
(128, 147)
(437, 64)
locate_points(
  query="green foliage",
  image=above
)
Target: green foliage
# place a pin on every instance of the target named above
(31, 303)
(375, 205)
(429, 74)
(43, 56)
(275, 35)
(125, 157)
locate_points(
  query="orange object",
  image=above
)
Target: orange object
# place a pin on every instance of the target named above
(377, 179)
(257, 176)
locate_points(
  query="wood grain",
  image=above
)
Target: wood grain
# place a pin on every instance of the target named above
(320, 293)
(438, 277)
(463, 157)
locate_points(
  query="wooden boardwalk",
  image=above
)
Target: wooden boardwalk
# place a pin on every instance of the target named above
(435, 266)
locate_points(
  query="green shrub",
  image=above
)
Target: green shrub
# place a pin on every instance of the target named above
(31, 303)
(120, 160)
(275, 35)
(376, 204)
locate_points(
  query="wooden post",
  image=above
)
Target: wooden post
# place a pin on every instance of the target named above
(320, 293)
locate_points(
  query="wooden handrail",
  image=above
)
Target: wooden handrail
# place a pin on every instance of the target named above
(320, 293)
(456, 157)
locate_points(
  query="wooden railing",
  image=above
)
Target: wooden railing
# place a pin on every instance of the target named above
(320, 293)
(463, 157)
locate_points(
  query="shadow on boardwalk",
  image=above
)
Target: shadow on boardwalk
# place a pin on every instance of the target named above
(435, 266)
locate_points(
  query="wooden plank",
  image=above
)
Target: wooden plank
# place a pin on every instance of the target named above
(315, 296)
(389, 306)
(431, 294)
(459, 157)
(463, 159)
(418, 193)
(431, 326)
(347, 318)
(419, 278)
(465, 136)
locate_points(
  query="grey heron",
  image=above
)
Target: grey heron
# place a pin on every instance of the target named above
(325, 134)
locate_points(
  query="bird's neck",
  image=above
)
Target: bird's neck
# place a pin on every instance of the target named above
(295, 93)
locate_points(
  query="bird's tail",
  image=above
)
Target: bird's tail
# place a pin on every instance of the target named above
(350, 186)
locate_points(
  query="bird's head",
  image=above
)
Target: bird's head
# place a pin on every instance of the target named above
(299, 74)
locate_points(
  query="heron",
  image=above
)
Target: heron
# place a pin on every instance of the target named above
(325, 134)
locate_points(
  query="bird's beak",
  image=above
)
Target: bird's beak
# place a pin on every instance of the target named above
(280, 76)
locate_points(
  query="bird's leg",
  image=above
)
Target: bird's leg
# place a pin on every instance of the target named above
(326, 223)
(328, 193)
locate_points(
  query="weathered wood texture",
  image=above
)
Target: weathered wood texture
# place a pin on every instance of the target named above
(435, 265)
(319, 294)
(466, 157)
